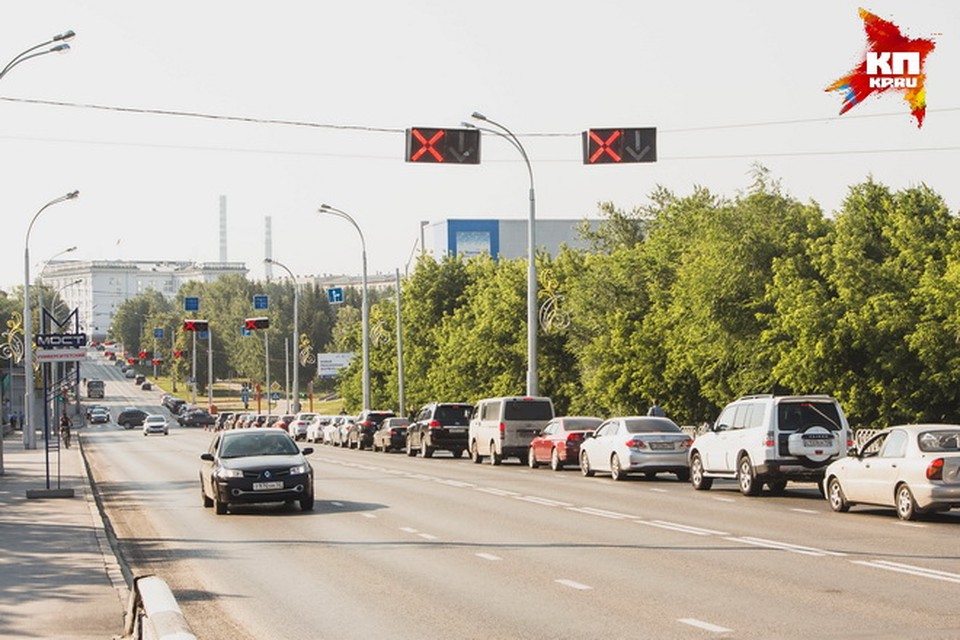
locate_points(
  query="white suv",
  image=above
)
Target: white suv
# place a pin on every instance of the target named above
(770, 439)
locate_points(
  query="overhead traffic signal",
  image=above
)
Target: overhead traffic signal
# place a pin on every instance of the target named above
(453, 146)
(252, 324)
(619, 146)
(195, 325)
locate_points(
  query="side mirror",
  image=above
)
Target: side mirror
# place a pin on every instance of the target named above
(206, 456)
(307, 451)
(853, 453)
(588, 435)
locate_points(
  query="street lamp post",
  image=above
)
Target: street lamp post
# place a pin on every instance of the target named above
(532, 383)
(60, 47)
(29, 430)
(364, 312)
(296, 331)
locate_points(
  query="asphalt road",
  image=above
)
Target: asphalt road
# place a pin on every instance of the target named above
(402, 547)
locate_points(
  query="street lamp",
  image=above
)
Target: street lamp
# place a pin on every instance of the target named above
(42, 270)
(61, 47)
(29, 432)
(364, 312)
(532, 384)
(296, 331)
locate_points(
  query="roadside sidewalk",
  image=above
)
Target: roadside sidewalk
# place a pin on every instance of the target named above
(58, 575)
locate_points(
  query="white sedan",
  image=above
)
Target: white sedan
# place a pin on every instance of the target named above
(637, 443)
(914, 469)
(155, 423)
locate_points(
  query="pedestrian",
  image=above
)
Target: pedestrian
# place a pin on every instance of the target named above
(656, 410)
(65, 430)
(13, 422)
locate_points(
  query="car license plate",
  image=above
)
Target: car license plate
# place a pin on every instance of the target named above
(267, 486)
(660, 446)
(457, 430)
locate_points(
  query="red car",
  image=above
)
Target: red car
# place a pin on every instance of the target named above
(559, 442)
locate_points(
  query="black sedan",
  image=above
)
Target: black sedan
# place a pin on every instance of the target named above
(196, 418)
(392, 435)
(253, 466)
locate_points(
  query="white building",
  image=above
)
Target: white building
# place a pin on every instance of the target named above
(97, 288)
(500, 238)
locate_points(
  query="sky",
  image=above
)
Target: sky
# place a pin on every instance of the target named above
(728, 85)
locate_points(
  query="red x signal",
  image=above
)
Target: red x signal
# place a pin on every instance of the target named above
(605, 146)
(427, 145)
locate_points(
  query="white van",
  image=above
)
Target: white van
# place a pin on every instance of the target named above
(503, 427)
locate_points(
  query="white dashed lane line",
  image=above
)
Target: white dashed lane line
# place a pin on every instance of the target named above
(706, 626)
(488, 556)
(722, 499)
(337, 504)
(574, 585)
(613, 515)
(920, 572)
(427, 536)
(783, 546)
(805, 511)
(547, 502)
(658, 490)
(915, 525)
(681, 528)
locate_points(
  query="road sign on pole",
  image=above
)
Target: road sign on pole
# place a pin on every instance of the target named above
(158, 333)
(191, 303)
(261, 302)
(335, 295)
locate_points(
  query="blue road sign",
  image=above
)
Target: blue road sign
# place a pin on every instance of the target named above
(203, 335)
(261, 303)
(158, 333)
(245, 332)
(335, 295)
(275, 395)
(191, 303)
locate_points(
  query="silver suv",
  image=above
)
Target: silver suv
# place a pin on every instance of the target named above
(768, 439)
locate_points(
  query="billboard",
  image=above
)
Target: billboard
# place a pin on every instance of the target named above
(330, 364)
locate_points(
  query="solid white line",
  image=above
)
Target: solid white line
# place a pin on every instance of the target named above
(706, 626)
(613, 515)
(920, 572)
(574, 585)
(784, 546)
(488, 556)
(682, 528)
(805, 511)
(544, 501)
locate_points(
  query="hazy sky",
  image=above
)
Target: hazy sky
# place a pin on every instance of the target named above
(726, 83)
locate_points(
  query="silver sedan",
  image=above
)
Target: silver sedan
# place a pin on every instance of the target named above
(914, 469)
(636, 443)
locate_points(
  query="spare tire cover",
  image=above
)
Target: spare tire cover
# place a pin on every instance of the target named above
(816, 444)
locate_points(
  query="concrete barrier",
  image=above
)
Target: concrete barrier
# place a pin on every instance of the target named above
(153, 612)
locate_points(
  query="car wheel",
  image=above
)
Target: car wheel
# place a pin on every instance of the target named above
(426, 450)
(410, 450)
(746, 478)
(306, 504)
(458, 453)
(532, 459)
(475, 453)
(906, 505)
(207, 502)
(616, 471)
(683, 475)
(838, 501)
(555, 463)
(697, 478)
(219, 507)
(777, 487)
(650, 475)
(585, 468)
(495, 458)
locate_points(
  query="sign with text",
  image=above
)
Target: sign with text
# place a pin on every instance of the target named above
(330, 364)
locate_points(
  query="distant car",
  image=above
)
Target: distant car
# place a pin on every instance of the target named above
(91, 407)
(439, 426)
(915, 469)
(139, 379)
(172, 403)
(367, 424)
(281, 422)
(196, 418)
(648, 444)
(146, 386)
(255, 466)
(392, 435)
(559, 442)
(331, 431)
(344, 427)
(99, 415)
(316, 426)
(224, 418)
(155, 423)
(130, 373)
(297, 425)
(131, 417)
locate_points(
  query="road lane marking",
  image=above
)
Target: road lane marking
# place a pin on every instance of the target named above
(784, 546)
(547, 502)
(613, 515)
(658, 490)
(722, 499)
(337, 504)
(488, 556)
(408, 529)
(427, 536)
(498, 492)
(706, 626)
(682, 528)
(457, 483)
(805, 511)
(574, 585)
(915, 525)
(920, 572)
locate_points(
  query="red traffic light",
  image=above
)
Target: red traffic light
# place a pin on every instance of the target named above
(252, 324)
(195, 325)
(177, 353)
(453, 146)
(619, 146)
(131, 361)
(143, 355)
(155, 361)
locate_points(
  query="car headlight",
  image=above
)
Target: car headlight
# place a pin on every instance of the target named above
(224, 472)
(298, 470)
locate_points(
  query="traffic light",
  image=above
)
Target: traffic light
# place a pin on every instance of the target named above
(453, 146)
(252, 324)
(143, 355)
(619, 146)
(195, 325)
(178, 353)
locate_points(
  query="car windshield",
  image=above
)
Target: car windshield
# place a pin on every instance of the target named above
(581, 424)
(528, 410)
(651, 425)
(943, 441)
(258, 444)
(792, 416)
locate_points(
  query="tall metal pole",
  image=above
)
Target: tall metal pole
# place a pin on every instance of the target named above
(296, 332)
(532, 377)
(193, 371)
(266, 360)
(286, 371)
(400, 398)
(365, 311)
(29, 429)
(209, 367)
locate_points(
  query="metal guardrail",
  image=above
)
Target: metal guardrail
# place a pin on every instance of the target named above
(153, 613)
